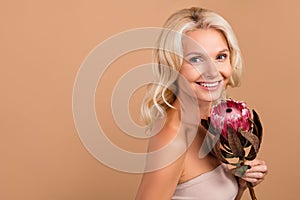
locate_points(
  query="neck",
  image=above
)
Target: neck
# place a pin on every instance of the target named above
(189, 105)
(204, 108)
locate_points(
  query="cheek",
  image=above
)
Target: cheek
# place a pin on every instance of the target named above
(226, 72)
(189, 73)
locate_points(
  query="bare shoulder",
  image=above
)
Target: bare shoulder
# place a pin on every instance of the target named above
(168, 134)
(168, 145)
(171, 138)
(165, 162)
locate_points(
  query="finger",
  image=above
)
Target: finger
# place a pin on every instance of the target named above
(258, 168)
(255, 162)
(257, 165)
(253, 181)
(255, 175)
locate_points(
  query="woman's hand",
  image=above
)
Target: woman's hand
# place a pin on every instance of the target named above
(255, 175)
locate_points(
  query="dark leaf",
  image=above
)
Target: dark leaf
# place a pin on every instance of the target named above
(245, 143)
(258, 129)
(259, 134)
(253, 139)
(226, 147)
(251, 155)
(218, 154)
(208, 126)
(205, 123)
(226, 154)
(225, 143)
(235, 144)
(238, 164)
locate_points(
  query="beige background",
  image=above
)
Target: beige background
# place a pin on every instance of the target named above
(43, 44)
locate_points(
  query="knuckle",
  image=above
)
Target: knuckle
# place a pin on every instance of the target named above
(265, 169)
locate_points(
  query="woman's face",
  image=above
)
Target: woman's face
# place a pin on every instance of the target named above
(206, 63)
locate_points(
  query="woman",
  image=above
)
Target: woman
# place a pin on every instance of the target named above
(197, 58)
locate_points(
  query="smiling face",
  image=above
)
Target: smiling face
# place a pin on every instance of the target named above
(206, 64)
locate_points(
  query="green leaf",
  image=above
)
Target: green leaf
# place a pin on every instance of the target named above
(240, 171)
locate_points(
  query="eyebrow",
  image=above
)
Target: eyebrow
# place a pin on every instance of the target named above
(193, 53)
(201, 54)
(224, 50)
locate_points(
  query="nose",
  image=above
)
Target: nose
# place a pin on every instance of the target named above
(210, 70)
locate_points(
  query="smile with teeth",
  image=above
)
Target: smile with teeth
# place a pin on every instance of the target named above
(209, 84)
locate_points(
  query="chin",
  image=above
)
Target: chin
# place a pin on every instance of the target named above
(210, 97)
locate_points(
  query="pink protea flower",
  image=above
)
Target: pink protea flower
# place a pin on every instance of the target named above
(230, 113)
(232, 119)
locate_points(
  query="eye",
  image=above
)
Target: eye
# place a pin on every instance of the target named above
(195, 59)
(222, 57)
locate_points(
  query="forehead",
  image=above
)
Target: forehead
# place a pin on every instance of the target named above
(208, 40)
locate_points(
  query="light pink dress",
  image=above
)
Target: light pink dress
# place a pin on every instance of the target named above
(218, 184)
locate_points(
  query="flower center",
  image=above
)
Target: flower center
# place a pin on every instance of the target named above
(228, 110)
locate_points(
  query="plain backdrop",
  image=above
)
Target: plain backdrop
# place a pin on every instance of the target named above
(43, 44)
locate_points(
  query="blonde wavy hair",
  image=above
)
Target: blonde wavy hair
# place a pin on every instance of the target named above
(162, 93)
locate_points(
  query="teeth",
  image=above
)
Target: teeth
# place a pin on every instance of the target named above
(208, 84)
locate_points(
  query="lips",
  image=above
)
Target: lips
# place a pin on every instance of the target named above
(209, 85)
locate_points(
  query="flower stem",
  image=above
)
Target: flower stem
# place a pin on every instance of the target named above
(251, 190)
(249, 185)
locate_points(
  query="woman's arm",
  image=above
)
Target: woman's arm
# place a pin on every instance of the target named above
(161, 184)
